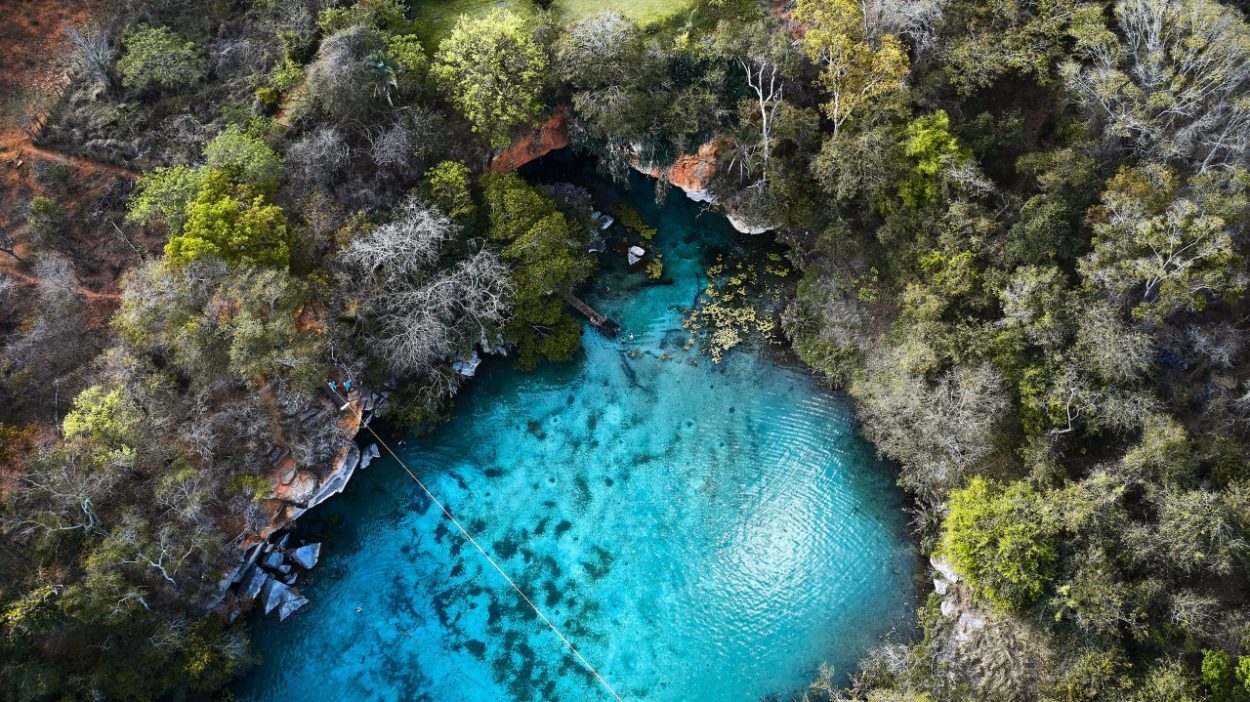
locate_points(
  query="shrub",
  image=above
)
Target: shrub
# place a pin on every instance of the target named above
(1002, 540)
(232, 222)
(246, 158)
(158, 59)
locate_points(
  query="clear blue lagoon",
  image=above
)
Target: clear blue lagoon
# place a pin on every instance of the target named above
(702, 532)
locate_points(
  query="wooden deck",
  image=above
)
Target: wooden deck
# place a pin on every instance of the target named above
(600, 321)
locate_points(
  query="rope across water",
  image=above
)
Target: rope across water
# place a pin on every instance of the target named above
(469, 537)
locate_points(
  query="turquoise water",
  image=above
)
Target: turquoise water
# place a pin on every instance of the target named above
(701, 532)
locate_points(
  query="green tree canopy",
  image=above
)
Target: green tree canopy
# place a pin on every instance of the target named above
(547, 257)
(492, 69)
(246, 158)
(1163, 249)
(232, 222)
(157, 58)
(1003, 540)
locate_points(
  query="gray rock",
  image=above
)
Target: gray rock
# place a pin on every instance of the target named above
(339, 478)
(966, 625)
(306, 556)
(291, 601)
(603, 221)
(371, 452)
(467, 367)
(253, 585)
(271, 560)
(945, 567)
(635, 254)
(271, 596)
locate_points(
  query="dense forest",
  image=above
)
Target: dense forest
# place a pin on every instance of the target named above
(1021, 228)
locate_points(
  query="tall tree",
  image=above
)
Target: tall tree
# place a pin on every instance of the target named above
(492, 69)
(1173, 84)
(1162, 249)
(856, 68)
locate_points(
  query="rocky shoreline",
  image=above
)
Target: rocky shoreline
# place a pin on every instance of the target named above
(268, 566)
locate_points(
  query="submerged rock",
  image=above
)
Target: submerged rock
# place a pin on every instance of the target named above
(603, 221)
(306, 556)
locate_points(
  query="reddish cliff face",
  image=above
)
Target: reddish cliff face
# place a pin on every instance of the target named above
(690, 173)
(553, 135)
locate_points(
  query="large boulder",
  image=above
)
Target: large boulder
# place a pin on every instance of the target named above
(291, 601)
(306, 556)
(271, 595)
(253, 585)
(272, 561)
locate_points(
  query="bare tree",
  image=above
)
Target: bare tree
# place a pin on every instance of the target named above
(938, 431)
(390, 146)
(417, 314)
(917, 20)
(763, 80)
(94, 52)
(408, 244)
(9, 245)
(317, 157)
(1176, 86)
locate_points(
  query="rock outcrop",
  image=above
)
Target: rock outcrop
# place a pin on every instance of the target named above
(983, 650)
(267, 576)
(265, 560)
(691, 174)
(553, 135)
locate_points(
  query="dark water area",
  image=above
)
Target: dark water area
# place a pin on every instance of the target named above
(702, 532)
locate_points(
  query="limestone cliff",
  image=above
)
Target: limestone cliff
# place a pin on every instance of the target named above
(691, 173)
(553, 135)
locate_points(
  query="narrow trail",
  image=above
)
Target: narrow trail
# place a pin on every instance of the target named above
(16, 145)
(85, 292)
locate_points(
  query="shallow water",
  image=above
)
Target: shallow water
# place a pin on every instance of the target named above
(701, 532)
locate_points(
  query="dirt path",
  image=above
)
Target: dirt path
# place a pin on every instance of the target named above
(15, 145)
(85, 292)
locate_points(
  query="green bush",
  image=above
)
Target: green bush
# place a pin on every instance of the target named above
(234, 223)
(157, 58)
(1002, 540)
(245, 158)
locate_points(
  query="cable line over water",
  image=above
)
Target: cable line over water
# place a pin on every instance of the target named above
(469, 537)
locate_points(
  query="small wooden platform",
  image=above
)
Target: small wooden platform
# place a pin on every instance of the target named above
(600, 321)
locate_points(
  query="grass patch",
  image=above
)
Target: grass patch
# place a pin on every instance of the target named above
(436, 18)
